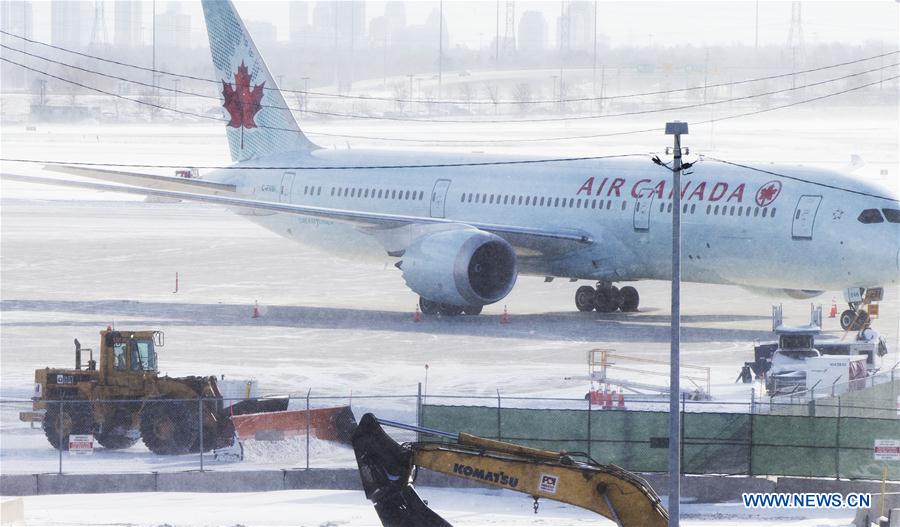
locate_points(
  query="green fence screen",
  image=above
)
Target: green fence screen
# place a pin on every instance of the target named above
(712, 443)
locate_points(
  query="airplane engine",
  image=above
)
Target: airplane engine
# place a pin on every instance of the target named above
(797, 294)
(461, 267)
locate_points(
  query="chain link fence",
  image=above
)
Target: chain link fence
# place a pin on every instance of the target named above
(312, 431)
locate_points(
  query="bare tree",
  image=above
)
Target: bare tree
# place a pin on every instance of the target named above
(493, 93)
(522, 95)
(467, 94)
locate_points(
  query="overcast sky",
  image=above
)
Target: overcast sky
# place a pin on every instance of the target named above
(640, 23)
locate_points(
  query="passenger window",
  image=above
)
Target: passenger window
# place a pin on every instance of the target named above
(571, 202)
(755, 212)
(520, 200)
(319, 192)
(352, 192)
(608, 204)
(491, 200)
(527, 200)
(594, 204)
(892, 215)
(505, 200)
(332, 191)
(870, 216)
(669, 208)
(684, 209)
(556, 202)
(732, 211)
(773, 213)
(765, 211)
(624, 204)
(693, 208)
(662, 207)
(462, 198)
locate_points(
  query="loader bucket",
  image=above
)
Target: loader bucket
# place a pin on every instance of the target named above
(331, 424)
(385, 468)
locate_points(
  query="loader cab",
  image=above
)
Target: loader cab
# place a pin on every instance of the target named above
(127, 353)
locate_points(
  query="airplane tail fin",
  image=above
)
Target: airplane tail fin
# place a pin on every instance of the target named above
(260, 121)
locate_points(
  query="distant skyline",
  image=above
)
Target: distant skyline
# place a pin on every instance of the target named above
(472, 24)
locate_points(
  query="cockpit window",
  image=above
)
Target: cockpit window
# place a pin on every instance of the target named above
(892, 215)
(870, 216)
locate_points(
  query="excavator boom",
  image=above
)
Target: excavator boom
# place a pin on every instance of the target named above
(385, 468)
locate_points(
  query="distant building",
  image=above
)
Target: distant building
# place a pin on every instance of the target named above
(298, 22)
(394, 22)
(70, 23)
(341, 24)
(16, 18)
(264, 34)
(127, 25)
(532, 32)
(581, 25)
(173, 28)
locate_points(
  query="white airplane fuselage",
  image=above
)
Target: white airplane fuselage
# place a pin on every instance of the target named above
(789, 228)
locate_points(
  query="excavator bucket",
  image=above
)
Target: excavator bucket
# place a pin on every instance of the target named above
(385, 469)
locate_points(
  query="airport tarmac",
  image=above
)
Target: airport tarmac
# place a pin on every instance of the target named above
(74, 262)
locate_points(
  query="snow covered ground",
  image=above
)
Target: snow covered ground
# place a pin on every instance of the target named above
(74, 262)
(321, 508)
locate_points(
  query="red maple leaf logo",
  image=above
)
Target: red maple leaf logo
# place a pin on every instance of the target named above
(241, 102)
(767, 193)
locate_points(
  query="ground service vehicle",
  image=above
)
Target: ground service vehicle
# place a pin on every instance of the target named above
(386, 467)
(124, 399)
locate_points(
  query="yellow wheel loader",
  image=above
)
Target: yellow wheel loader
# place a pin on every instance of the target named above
(387, 468)
(124, 399)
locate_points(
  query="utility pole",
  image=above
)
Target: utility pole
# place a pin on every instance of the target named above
(756, 37)
(676, 128)
(441, 49)
(594, 69)
(497, 41)
(155, 88)
(410, 92)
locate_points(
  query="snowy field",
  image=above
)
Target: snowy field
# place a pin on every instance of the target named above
(321, 508)
(73, 262)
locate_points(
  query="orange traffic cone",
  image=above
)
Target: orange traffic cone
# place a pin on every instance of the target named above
(833, 312)
(609, 397)
(621, 399)
(256, 309)
(504, 318)
(418, 316)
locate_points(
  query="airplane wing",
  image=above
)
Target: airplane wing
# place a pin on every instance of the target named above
(134, 178)
(526, 240)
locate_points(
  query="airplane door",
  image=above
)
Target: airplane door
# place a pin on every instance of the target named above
(805, 217)
(439, 198)
(642, 209)
(287, 184)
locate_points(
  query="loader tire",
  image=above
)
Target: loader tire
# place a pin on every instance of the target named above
(118, 431)
(169, 427)
(77, 418)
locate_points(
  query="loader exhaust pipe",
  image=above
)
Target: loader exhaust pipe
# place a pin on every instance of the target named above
(77, 355)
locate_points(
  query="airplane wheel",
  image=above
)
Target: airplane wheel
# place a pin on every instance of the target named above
(847, 319)
(584, 298)
(629, 299)
(472, 310)
(607, 299)
(428, 307)
(450, 310)
(862, 319)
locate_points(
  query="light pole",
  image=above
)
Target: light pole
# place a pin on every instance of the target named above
(410, 92)
(676, 128)
(305, 94)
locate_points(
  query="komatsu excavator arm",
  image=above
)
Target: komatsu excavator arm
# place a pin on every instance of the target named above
(386, 467)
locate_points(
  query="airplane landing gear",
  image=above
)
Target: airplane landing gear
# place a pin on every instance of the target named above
(606, 298)
(854, 320)
(429, 307)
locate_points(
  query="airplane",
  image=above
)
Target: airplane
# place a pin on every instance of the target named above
(462, 227)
